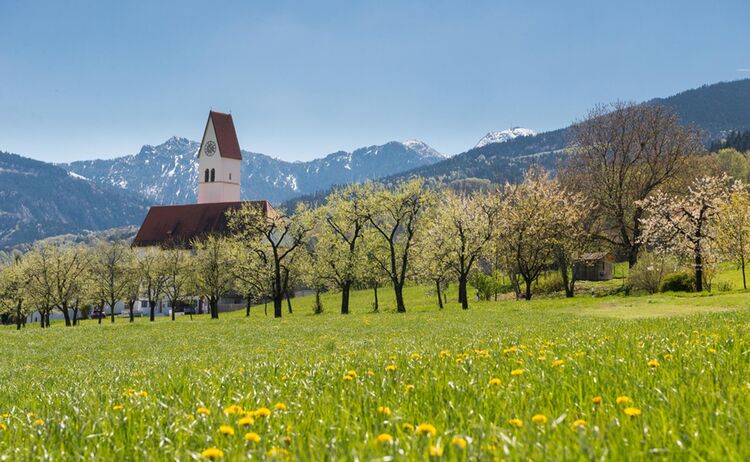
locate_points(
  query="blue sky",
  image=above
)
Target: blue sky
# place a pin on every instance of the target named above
(82, 80)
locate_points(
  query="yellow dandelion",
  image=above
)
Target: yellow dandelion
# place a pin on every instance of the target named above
(578, 424)
(712, 350)
(516, 422)
(370, 372)
(142, 394)
(539, 419)
(262, 412)
(408, 388)
(426, 429)
(38, 422)
(385, 410)
(459, 442)
(252, 437)
(596, 400)
(557, 363)
(279, 407)
(118, 407)
(384, 438)
(407, 427)
(392, 357)
(516, 372)
(213, 453)
(246, 421)
(348, 378)
(623, 400)
(495, 382)
(203, 411)
(632, 411)
(459, 360)
(436, 451)
(653, 364)
(444, 354)
(512, 349)
(3, 427)
(233, 409)
(541, 358)
(352, 372)
(416, 356)
(277, 452)
(668, 356)
(390, 368)
(226, 430)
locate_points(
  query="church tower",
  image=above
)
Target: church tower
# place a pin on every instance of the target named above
(219, 161)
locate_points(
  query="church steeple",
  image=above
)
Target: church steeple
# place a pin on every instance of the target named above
(219, 160)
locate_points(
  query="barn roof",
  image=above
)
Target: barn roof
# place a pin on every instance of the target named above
(226, 136)
(179, 225)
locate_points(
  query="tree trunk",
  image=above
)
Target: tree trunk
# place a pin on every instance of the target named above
(344, 297)
(130, 309)
(278, 293)
(214, 307)
(152, 308)
(698, 271)
(399, 290)
(66, 315)
(288, 303)
(375, 306)
(462, 295)
(41, 320)
(278, 300)
(174, 305)
(75, 315)
(19, 319)
(112, 310)
(46, 318)
(318, 309)
(248, 304)
(568, 284)
(744, 281)
(439, 294)
(528, 288)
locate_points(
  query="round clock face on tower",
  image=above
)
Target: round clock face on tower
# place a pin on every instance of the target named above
(210, 148)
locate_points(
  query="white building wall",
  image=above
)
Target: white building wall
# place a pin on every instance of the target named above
(226, 184)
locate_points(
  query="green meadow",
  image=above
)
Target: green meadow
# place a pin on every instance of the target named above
(663, 377)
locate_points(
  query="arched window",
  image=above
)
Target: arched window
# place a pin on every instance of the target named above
(213, 175)
(205, 177)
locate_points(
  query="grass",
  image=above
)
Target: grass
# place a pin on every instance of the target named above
(695, 405)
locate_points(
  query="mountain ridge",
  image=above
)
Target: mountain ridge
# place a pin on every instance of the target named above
(167, 173)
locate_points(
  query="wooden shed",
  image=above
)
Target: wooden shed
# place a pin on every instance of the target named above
(597, 266)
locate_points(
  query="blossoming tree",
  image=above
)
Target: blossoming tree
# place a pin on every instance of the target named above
(686, 225)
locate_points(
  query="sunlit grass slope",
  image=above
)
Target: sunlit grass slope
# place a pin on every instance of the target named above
(502, 381)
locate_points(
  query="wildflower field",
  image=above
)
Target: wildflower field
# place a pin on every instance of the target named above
(614, 378)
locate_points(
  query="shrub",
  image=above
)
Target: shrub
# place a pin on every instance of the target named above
(550, 284)
(648, 273)
(725, 286)
(678, 282)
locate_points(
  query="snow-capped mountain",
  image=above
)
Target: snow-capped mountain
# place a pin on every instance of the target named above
(167, 173)
(505, 135)
(38, 200)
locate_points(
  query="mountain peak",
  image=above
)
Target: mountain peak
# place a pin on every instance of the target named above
(422, 148)
(504, 135)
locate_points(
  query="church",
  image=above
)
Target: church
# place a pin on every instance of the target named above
(219, 163)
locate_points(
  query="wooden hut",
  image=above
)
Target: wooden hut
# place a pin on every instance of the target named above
(597, 266)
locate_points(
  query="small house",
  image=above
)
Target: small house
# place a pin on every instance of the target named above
(597, 266)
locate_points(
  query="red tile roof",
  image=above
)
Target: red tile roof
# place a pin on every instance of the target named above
(226, 136)
(179, 225)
